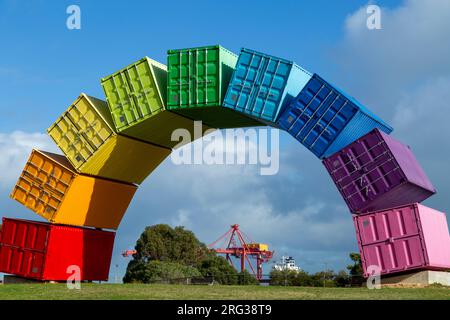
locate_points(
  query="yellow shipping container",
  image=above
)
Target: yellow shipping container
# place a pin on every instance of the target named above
(85, 134)
(50, 186)
(260, 246)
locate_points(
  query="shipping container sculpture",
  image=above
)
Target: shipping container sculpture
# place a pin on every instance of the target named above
(44, 251)
(51, 187)
(324, 119)
(86, 135)
(377, 172)
(263, 85)
(403, 239)
(111, 147)
(136, 97)
(197, 82)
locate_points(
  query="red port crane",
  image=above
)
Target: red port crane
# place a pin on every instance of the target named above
(236, 244)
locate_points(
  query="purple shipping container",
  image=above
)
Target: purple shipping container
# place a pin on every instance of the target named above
(377, 172)
(402, 239)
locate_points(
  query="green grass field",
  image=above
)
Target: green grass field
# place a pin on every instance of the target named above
(184, 292)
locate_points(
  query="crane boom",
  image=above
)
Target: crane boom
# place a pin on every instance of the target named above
(235, 245)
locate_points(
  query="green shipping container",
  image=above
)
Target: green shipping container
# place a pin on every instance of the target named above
(136, 97)
(198, 81)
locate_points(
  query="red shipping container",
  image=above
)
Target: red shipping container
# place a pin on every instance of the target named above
(403, 239)
(44, 251)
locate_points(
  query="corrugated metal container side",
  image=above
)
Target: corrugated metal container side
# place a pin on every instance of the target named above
(378, 172)
(44, 252)
(50, 186)
(197, 82)
(325, 120)
(258, 246)
(402, 239)
(263, 85)
(136, 97)
(85, 134)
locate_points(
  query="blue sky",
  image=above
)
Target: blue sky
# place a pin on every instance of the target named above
(43, 56)
(401, 72)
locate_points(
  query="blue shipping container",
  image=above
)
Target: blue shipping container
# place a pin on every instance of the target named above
(262, 85)
(325, 120)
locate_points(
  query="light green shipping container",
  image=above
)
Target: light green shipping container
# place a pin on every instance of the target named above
(198, 79)
(136, 97)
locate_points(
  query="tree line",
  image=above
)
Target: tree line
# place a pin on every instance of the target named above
(326, 278)
(175, 255)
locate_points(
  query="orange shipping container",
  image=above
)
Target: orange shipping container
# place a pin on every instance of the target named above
(50, 186)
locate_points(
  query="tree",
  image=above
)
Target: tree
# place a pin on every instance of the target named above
(303, 279)
(282, 277)
(159, 271)
(355, 269)
(163, 243)
(219, 268)
(245, 278)
(324, 278)
(342, 279)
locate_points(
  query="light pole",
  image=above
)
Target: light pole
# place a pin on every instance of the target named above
(324, 273)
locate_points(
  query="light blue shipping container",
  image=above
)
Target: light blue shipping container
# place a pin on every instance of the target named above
(262, 86)
(325, 120)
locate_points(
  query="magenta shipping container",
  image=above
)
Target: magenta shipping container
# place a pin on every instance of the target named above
(377, 172)
(402, 239)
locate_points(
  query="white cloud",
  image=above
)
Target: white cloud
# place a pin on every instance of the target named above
(421, 120)
(15, 148)
(378, 66)
(182, 219)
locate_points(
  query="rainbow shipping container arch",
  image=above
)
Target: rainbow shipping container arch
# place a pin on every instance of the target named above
(111, 146)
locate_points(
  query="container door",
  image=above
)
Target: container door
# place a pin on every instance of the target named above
(49, 174)
(194, 77)
(242, 88)
(42, 185)
(391, 240)
(31, 194)
(364, 170)
(205, 78)
(178, 78)
(20, 262)
(23, 248)
(6, 255)
(400, 255)
(143, 89)
(120, 100)
(318, 115)
(93, 130)
(270, 87)
(69, 139)
(25, 234)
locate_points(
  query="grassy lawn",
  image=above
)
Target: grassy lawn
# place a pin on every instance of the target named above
(138, 291)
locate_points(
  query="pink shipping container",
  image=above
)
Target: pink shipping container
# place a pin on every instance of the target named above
(377, 172)
(403, 239)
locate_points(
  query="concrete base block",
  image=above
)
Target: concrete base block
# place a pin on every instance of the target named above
(419, 278)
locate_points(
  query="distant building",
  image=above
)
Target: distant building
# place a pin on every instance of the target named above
(286, 263)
